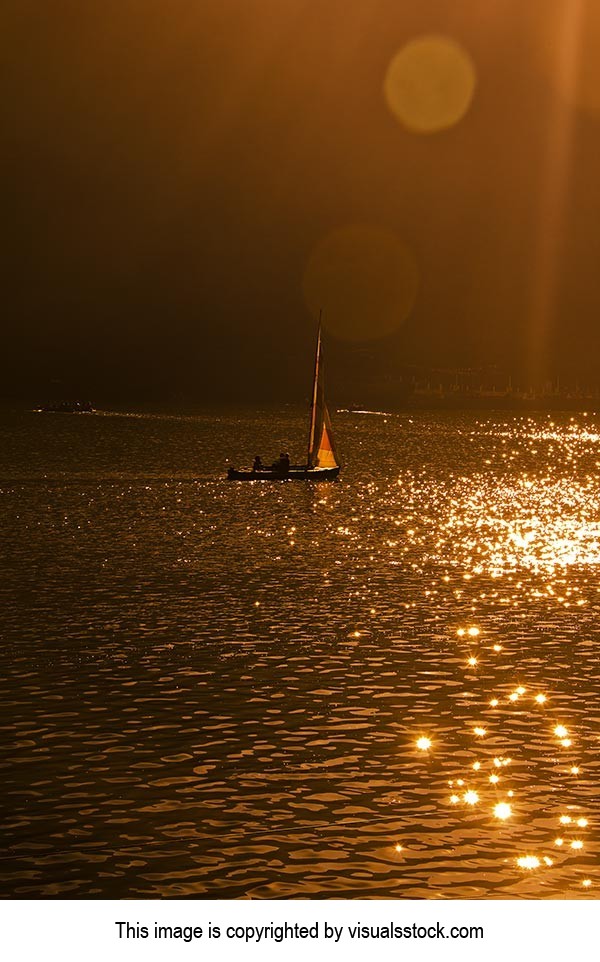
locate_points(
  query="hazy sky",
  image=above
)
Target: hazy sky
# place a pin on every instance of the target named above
(169, 168)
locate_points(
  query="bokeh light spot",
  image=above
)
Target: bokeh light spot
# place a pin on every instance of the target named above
(364, 279)
(430, 83)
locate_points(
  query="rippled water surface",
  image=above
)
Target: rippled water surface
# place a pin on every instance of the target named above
(224, 690)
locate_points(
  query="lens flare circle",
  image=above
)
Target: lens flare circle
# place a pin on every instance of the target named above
(364, 279)
(430, 83)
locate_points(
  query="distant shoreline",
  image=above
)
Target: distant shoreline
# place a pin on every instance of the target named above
(372, 405)
(503, 403)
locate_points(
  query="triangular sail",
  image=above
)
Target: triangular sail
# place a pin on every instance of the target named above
(321, 445)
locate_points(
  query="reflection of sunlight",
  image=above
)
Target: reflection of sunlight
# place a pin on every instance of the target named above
(500, 523)
(528, 861)
(491, 529)
(502, 809)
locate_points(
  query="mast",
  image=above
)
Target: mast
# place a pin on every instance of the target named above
(313, 406)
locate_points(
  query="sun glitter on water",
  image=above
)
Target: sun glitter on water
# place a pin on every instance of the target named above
(528, 862)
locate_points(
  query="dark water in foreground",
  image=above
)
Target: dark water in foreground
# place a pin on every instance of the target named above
(216, 690)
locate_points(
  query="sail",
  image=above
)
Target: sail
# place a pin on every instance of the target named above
(321, 445)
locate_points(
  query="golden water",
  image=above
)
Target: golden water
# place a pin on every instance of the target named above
(262, 690)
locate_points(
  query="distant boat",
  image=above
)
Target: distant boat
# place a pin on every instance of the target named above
(66, 407)
(322, 463)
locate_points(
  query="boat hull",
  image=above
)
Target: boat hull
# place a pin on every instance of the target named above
(294, 474)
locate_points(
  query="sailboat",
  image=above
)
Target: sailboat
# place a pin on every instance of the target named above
(322, 462)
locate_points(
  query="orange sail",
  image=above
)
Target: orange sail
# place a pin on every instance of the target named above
(321, 444)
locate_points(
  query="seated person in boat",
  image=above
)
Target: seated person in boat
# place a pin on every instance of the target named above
(282, 466)
(258, 465)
